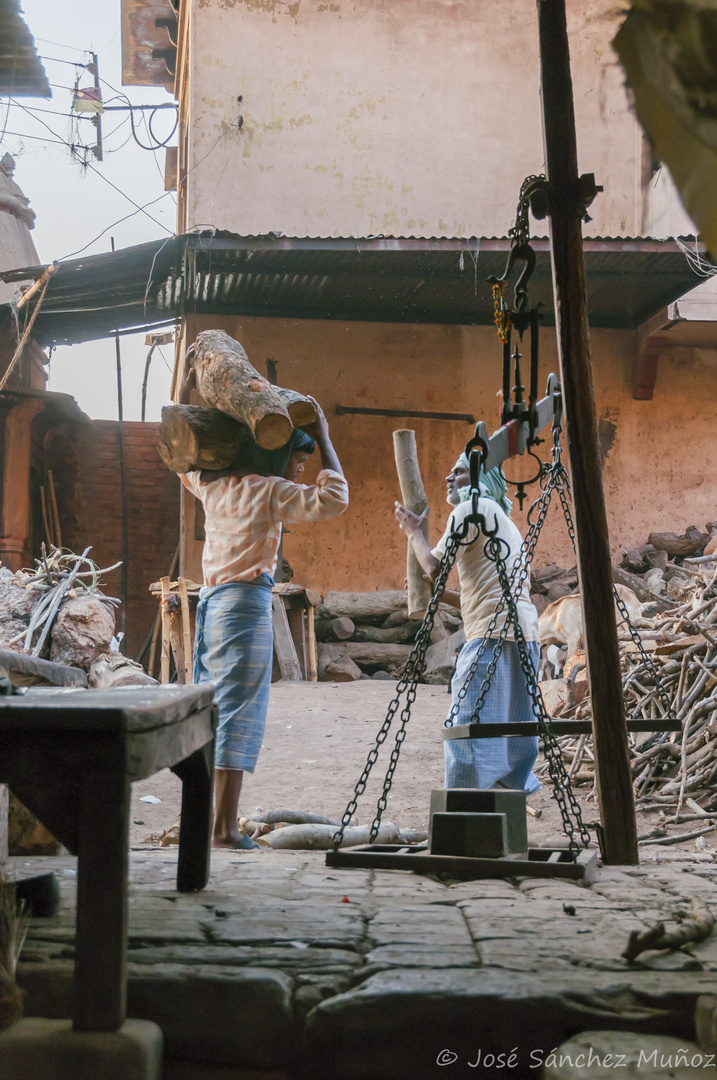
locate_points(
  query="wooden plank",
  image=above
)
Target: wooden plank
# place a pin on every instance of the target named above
(32, 671)
(397, 857)
(614, 780)
(297, 628)
(558, 727)
(284, 648)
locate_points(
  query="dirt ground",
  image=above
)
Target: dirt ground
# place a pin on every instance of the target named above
(318, 736)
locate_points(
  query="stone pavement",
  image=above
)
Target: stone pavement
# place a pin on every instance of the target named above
(283, 968)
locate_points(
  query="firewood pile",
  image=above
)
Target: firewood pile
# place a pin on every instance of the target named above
(56, 611)
(675, 577)
(362, 635)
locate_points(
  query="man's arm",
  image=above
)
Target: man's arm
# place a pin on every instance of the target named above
(411, 524)
(319, 432)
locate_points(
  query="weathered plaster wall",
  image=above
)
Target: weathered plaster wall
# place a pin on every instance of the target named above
(657, 469)
(392, 117)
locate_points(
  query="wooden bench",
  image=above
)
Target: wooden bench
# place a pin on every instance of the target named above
(70, 757)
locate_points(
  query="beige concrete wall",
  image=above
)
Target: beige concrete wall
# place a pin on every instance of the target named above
(658, 473)
(395, 117)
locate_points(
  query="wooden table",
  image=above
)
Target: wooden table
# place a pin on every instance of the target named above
(70, 757)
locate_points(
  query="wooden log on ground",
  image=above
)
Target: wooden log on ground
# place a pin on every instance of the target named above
(340, 629)
(376, 654)
(638, 586)
(227, 381)
(396, 635)
(192, 437)
(413, 497)
(439, 632)
(396, 618)
(356, 605)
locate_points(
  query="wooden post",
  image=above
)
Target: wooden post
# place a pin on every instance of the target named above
(186, 631)
(414, 499)
(311, 636)
(164, 677)
(614, 783)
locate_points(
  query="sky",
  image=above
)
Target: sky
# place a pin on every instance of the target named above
(75, 205)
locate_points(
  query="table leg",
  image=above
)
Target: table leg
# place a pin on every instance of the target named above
(100, 984)
(195, 830)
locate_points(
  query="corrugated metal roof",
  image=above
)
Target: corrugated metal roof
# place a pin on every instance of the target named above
(21, 73)
(379, 280)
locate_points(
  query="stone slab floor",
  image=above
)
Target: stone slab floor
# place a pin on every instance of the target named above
(283, 968)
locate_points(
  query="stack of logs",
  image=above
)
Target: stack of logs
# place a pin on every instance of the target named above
(676, 579)
(364, 635)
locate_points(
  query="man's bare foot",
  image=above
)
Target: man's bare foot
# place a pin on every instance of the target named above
(235, 842)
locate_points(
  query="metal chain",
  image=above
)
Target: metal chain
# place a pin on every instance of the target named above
(407, 684)
(520, 232)
(562, 788)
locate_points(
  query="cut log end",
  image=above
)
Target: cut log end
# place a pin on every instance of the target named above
(273, 431)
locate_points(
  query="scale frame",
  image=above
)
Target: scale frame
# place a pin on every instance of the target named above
(535, 862)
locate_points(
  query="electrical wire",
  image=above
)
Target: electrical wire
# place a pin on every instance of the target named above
(140, 209)
(118, 222)
(699, 265)
(58, 45)
(55, 60)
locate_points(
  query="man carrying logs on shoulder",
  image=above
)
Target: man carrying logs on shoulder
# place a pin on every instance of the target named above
(244, 509)
(484, 763)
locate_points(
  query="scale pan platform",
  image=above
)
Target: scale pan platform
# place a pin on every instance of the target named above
(535, 862)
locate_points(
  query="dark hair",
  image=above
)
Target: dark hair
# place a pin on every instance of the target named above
(302, 443)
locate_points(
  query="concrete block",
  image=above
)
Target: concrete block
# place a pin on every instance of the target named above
(51, 1050)
(485, 801)
(474, 835)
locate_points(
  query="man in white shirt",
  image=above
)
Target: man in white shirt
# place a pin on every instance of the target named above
(484, 763)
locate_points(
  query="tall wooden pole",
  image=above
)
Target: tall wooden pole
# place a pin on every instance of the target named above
(614, 781)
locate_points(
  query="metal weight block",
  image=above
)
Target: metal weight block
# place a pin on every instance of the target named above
(484, 801)
(472, 835)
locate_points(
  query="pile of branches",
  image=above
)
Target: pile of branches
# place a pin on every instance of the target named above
(58, 575)
(678, 678)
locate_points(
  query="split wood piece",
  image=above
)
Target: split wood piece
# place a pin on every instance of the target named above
(413, 497)
(186, 631)
(696, 929)
(55, 517)
(311, 642)
(337, 668)
(192, 437)
(227, 381)
(284, 648)
(363, 605)
(340, 629)
(687, 544)
(164, 677)
(321, 837)
(300, 409)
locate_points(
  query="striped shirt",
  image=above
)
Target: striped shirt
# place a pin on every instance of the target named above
(244, 518)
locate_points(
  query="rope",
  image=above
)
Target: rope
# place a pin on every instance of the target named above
(25, 336)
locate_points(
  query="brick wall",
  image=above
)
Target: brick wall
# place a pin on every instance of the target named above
(86, 464)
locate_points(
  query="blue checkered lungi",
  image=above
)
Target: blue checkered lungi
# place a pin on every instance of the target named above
(482, 763)
(233, 648)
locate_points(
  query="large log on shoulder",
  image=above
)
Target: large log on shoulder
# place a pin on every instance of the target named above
(299, 408)
(227, 381)
(363, 605)
(192, 437)
(413, 496)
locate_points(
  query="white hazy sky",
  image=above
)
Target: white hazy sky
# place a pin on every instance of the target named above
(74, 205)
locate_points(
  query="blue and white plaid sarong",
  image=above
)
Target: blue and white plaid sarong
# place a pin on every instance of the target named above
(233, 649)
(481, 763)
